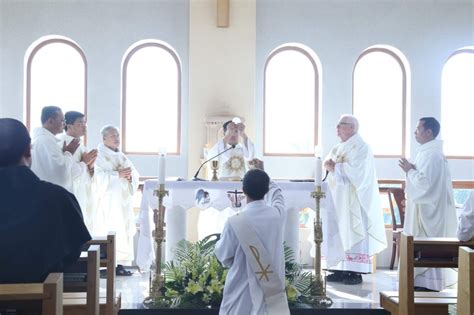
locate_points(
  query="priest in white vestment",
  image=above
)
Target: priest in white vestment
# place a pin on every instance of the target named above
(430, 208)
(116, 181)
(234, 162)
(251, 245)
(466, 220)
(82, 180)
(52, 159)
(353, 184)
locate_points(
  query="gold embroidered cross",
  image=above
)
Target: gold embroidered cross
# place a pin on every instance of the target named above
(263, 271)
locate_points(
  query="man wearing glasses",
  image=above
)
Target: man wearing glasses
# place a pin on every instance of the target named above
(52, 160)
(356, 229)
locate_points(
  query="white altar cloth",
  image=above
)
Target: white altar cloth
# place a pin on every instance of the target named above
(182, 197)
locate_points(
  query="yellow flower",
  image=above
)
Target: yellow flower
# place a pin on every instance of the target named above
(193, 287)
(292, 293)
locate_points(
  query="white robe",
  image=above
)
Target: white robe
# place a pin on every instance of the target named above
(232, 163)
(50, 163)
(466, 220)
(430, 209)
(242, 292)
(81, 181)
(114, 208)
(361, 228)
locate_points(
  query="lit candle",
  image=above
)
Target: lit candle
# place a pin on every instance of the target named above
(161, 168)
(318, 171)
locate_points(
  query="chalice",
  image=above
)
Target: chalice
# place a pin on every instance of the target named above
(214, 167)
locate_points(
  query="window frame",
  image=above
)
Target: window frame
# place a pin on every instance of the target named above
(128, 55)
(457, 52)
(316, 98)
(31, 54)
(404, 94)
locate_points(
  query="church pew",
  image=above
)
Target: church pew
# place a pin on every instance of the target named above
(466, 281)
(88, 284)
(423, 252)
(109, 303)
(34, 298)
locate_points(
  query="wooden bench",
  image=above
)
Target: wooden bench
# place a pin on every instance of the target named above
(89, 286)
(109, 303)
(34, 298)
(466, 281)
(423, 252)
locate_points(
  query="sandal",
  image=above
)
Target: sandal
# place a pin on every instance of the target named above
(121, 271)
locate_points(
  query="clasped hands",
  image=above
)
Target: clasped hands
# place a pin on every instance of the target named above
(405, 165)
(125, 173)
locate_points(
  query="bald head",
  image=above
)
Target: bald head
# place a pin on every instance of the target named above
(14, 143)
(347, 126)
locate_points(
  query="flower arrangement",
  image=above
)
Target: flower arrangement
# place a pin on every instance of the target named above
(197, 278)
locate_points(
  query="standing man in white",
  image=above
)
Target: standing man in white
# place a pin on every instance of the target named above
(251, 245)
(52, 159)
(233, 163)
(430, 208)
(117, 181)
(76, 128)
(359, 232)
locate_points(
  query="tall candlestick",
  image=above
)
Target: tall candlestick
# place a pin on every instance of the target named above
(161, 168)
(318, 171)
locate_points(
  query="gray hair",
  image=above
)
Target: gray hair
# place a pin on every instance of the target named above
(351, 119)
(106, 129)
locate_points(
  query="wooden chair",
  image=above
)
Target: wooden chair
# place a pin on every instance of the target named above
(397, 195)
(88, 285)
(109, 303)
(31, 298)
(423, 252)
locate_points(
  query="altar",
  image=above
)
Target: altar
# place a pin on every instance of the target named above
(184, 195)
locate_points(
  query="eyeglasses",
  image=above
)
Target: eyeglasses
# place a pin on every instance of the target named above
(343, 123)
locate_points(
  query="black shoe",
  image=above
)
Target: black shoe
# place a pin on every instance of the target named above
(336, 276)
(423, 289)
(352, 278)
(121, 271)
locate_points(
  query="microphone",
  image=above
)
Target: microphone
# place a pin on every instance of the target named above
(326, 176)
(197, 173)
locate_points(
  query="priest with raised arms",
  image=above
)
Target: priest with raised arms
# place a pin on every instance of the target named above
(251, 245)
(356, 231)
(75, 128)
(233, 163)
(430, 209)
(52, 159)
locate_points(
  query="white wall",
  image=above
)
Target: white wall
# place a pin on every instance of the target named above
(222, 69)
(104, 30)
(427, 32)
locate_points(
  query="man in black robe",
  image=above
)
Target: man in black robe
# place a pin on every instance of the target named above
(41, 224)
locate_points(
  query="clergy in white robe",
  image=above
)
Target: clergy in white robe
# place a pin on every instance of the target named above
(353, 184)
(81, 180)
(52, 159)
(234, 162)
(430, 209)
(116, 182)
(253, 250)
(466, 219)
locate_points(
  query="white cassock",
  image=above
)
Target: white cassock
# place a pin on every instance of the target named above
(360, 231)
(243, 293)
(50, 163)
(233, 163)
(466, 220)
(81, 180)
(430, 209)
(114, 208)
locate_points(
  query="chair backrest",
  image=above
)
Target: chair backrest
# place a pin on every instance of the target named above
(22, 296)
(397, 195)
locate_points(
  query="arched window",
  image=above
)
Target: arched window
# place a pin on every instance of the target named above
(291, 99)
(380, 92)
(151, 98)
(457, 103)
(56, 74)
